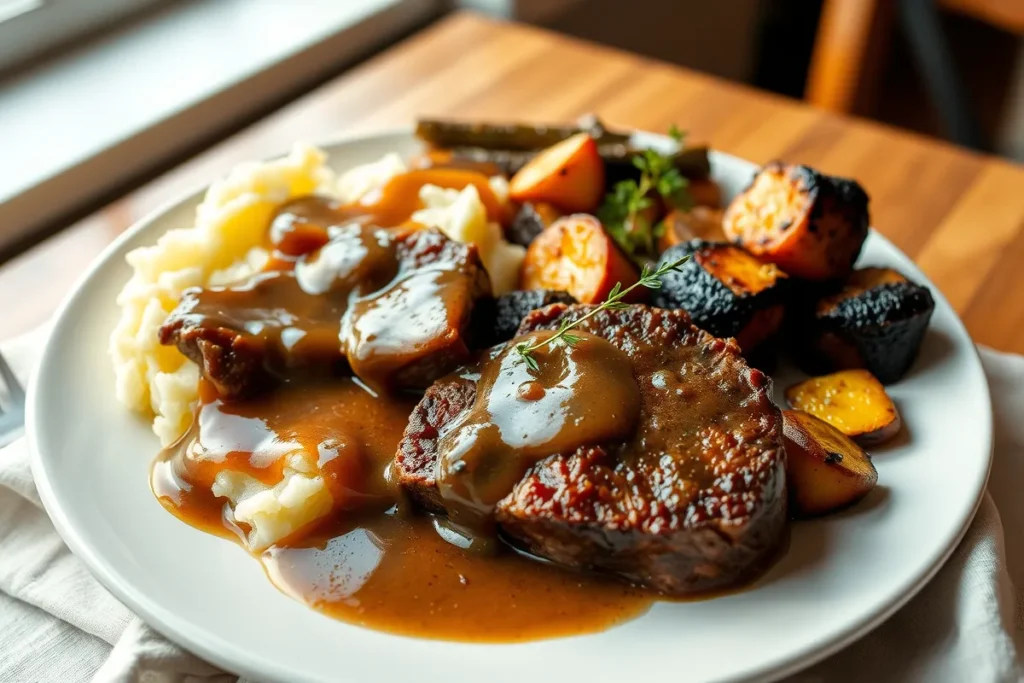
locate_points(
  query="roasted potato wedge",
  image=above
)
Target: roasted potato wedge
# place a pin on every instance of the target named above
(577, 256)
(825, 469)
(852, 401)
(810, 224)
(726, 291)
(876, 321)
(569, 174)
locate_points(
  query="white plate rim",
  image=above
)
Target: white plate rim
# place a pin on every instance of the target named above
(222, 653)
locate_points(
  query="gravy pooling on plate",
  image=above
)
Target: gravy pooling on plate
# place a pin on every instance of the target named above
(381, 566)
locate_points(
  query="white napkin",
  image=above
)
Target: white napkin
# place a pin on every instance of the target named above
(58, 624)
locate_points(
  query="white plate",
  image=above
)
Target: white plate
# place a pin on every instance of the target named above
(841, 576)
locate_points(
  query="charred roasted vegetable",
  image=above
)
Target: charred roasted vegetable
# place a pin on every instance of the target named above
(569, 175)
(825, 469)
(876, 321)
(496, 320)
(530, 220)
(810, 224)
(726, 291)
(852, 401)
(576, 255)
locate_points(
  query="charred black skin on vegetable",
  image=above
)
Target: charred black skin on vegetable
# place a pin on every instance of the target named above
(883, 326)
(711, 304)
(526, 225)
(835, 195)
(496, 320)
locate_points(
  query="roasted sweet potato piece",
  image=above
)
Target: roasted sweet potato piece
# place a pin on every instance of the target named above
(725, 290)
(810, 224)
(569, 175)
(577, 256)
(876, 321)
(700, 222)
(825, 469)
(852, 401)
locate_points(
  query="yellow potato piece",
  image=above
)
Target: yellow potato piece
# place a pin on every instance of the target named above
(852, 401)
(825, 469)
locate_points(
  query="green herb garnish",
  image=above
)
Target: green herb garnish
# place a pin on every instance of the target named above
(622, 212)
(614, 302)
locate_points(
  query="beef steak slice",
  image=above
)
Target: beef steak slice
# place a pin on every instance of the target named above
(238, 334)
(694, 501)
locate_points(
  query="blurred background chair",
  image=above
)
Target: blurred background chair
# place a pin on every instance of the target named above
(851, 49)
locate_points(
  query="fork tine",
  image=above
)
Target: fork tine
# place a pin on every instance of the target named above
(14, 389)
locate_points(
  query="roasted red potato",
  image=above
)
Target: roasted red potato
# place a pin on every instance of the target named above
(876, 321)
(569, 175)
(810, 224)
(825, 469)
(852, 401)
(577, 256)
(726, 291)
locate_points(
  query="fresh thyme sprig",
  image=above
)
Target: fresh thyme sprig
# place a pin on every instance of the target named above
(623, 211)
(614, 302)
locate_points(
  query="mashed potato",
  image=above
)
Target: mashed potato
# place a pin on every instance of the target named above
(273, 513)
(224, 245)
(463, 217)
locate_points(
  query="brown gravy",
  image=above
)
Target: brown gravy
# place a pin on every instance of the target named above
(382, 567)
(394, 573)
(523, 414)
(399, 198)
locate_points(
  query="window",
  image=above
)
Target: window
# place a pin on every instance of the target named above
(30, 27)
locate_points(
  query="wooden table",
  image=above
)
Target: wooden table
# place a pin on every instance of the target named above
(958, 214)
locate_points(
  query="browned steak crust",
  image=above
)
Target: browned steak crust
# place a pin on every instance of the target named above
(695, 501)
